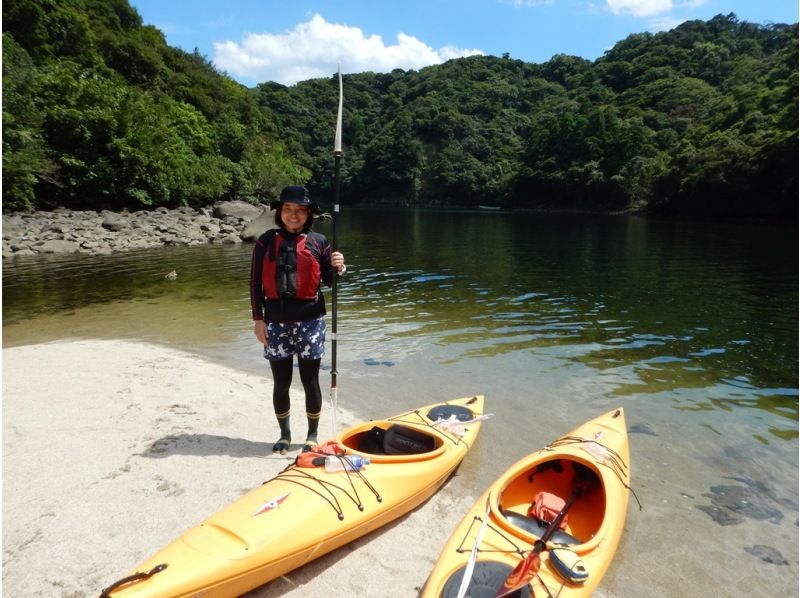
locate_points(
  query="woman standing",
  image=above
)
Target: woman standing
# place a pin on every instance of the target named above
(289, 263)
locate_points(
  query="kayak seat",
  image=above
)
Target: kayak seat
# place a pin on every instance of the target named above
(371, 441)
(402, 440)
(532, 526)
(396, 440)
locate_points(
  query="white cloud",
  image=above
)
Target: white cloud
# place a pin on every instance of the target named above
(315, 48)
(663, 24)
(639, 8)
(649, 8)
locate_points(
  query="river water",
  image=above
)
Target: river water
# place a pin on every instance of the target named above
(556, 318)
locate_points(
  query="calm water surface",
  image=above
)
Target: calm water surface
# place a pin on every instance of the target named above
(692, 328)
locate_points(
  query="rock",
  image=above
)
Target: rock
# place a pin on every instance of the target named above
(768, 554)
(142, 244)
(240, 210)
(88, 232)
(731, 504)
(22, 252)
(114, 222)
(231, 239)
(56, 246)
(255, 228)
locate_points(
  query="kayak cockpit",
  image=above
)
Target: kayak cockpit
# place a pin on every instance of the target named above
(389, 442)
(560, 477)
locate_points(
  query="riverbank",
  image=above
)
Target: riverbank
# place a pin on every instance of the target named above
(64, 231)
(74, 231)
(105, 463)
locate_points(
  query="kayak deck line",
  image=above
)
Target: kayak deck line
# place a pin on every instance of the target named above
(296, 475)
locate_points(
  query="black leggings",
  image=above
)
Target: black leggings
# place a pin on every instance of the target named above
(309, 376)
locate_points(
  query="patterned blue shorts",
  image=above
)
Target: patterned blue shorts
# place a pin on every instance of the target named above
(305, 339)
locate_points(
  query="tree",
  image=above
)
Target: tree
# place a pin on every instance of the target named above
(26, 155)
(700, 120)
(265, 169)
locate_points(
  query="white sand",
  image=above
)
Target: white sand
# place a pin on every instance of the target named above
(111, 449)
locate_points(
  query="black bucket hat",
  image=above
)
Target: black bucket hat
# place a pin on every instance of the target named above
(295, 194)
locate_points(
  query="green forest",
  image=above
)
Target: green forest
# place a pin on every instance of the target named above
(697, 122)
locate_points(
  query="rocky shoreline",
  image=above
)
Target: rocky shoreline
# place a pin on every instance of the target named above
(65, 231)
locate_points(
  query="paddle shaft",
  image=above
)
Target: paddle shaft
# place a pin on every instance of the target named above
(335, 286)
(337, 159)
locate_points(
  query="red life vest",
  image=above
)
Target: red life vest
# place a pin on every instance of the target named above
(546, 508)
(289, 269)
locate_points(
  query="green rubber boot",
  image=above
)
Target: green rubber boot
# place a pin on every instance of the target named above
(313, 426)
(282, 446)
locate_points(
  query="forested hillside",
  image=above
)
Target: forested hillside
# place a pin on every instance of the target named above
(699, 121)
(99, 111)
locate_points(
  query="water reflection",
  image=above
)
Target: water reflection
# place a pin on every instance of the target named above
(651, 307)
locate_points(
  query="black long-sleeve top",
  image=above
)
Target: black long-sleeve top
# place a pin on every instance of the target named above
(289, 310)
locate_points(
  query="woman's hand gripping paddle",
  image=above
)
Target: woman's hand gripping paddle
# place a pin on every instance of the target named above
(527, 568)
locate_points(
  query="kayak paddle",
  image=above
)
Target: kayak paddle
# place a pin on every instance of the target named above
(337, 157)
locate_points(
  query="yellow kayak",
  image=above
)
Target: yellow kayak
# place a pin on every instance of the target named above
(305, 512)
(585, 478)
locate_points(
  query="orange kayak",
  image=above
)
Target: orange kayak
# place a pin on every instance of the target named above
(305, 512)
(585, 473)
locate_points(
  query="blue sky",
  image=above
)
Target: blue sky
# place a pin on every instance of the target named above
(293, 40)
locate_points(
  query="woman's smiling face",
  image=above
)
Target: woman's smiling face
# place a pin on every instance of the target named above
(294, 217)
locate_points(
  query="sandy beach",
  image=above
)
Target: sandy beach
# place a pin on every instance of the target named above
(113, 448)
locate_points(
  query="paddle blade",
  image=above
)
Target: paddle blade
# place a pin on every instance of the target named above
(334, 400)
(337, 141)
(521, 575)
